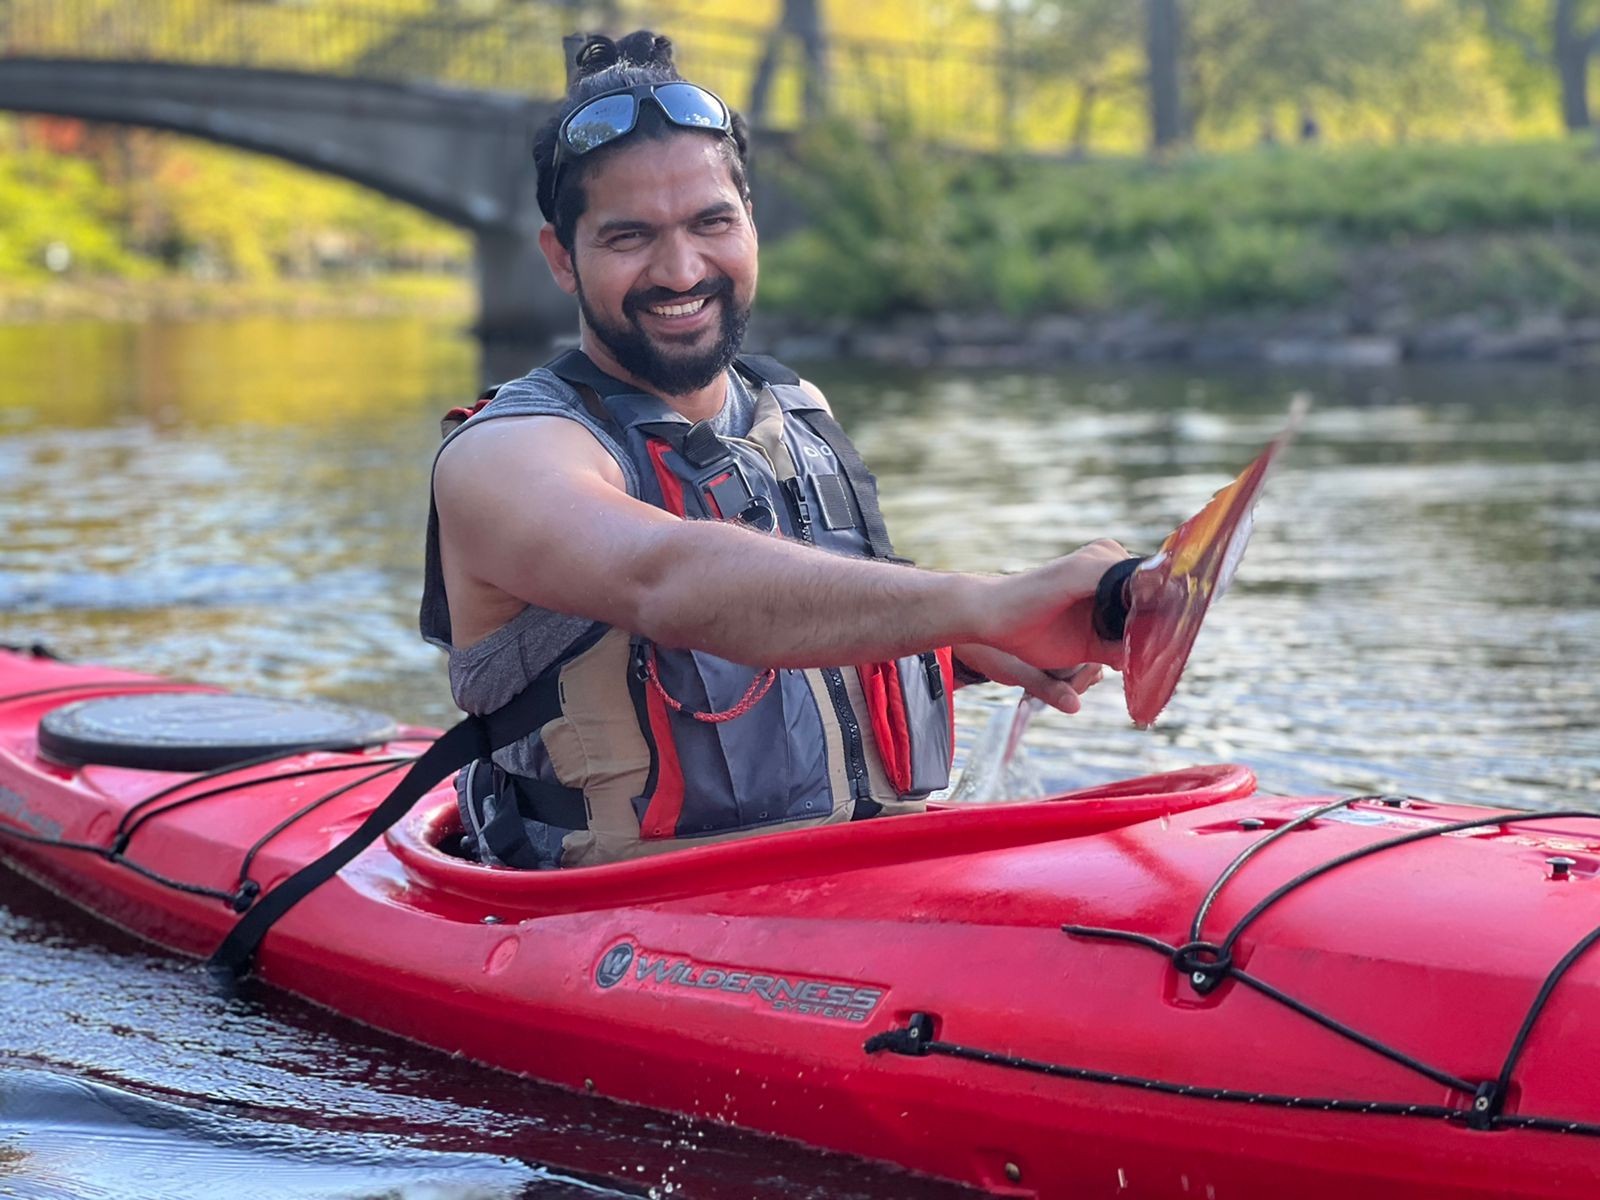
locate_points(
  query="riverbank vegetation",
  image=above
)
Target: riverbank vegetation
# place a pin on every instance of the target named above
(898, 228)
(107, 222)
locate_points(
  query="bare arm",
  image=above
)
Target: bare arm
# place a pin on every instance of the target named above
(533, 508)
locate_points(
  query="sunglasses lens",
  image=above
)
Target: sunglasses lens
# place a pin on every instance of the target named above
(604, 120)
(687, 104)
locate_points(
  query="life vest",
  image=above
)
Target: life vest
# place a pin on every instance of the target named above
(655, 748)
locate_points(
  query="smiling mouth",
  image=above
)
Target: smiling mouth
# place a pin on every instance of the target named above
(686, 308)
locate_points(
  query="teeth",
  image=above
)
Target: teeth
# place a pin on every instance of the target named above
(679, 310)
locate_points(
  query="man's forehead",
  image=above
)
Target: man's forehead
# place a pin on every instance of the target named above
(659, 179)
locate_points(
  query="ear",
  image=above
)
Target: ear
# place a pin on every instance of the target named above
(560, 260)
(750, 214)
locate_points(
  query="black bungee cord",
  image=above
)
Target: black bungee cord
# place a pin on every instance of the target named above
(247, 889)
(1208, 964)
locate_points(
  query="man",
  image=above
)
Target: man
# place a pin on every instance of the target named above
(561, 559)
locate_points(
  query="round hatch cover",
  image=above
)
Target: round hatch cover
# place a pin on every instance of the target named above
(200, 731)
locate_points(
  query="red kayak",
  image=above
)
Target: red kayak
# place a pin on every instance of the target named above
(1174, 986)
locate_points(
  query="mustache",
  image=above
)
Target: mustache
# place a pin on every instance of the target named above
(649, 297)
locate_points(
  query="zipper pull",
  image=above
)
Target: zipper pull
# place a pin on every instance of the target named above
(930, 667)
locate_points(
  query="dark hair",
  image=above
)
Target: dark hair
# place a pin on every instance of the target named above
(602, 65)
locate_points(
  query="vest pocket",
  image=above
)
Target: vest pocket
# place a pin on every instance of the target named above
(909, 707)
(767, 765)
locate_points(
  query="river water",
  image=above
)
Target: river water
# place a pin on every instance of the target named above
(242, 503)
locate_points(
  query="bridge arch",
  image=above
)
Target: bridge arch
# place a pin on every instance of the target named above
(461, 155)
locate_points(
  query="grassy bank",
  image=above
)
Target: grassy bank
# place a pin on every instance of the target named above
(1423, 230)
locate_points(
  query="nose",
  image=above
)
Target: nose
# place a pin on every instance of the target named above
(677, 264)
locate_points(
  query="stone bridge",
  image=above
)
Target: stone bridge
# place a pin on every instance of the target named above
(436, 108)
(462, 155)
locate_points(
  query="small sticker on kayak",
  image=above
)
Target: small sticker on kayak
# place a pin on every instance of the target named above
(14, 805)
(791, 995)
(614, 965)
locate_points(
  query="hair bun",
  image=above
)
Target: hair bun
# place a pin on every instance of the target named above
(645, 49)
(595, 55)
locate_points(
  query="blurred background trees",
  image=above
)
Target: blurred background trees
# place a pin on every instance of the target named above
(1127, 82)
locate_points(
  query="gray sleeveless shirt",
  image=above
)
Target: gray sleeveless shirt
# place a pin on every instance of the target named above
(488, 673)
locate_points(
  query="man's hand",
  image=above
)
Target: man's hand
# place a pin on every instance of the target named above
(1059, 689)
(1045, 617)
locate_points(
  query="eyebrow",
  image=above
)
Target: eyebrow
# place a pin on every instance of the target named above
(723, 208)
(622, 226)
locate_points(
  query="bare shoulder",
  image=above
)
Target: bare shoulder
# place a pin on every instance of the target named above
(815, 393)
(516, 453)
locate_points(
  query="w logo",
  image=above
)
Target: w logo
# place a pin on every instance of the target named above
(614, 965)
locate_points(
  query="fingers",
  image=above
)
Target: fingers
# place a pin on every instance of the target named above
(1061, 694)
(1080, 678)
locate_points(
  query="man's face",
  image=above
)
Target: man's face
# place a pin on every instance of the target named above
(663, 261)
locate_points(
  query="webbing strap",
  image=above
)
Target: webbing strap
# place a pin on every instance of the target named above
(593, 386)
(861, 481)
(472, 738)
(764, 369)
(457, 747)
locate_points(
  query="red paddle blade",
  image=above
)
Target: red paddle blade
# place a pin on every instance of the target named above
(1170, 592)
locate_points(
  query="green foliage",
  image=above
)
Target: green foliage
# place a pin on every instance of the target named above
(137, 204)
(903, 230)
(1022, 277)
(1238, 267)
(1505, 276)
(882, 231)
(50, 201)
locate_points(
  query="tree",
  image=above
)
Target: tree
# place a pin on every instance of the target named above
(1164, 51)
(800, 21)
(1563, 35)
(1059, 57)
(1247, 57)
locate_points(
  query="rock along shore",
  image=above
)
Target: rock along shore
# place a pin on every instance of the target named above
(1333, 340)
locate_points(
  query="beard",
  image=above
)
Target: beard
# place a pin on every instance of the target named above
(672, 374)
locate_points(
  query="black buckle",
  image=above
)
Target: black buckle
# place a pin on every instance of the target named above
(728, 492)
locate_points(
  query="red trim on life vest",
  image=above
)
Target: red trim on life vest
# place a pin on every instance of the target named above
(879, 682)
(671, 485)
(465, 414)
(900, 728)
(711, 501)
(666, 802)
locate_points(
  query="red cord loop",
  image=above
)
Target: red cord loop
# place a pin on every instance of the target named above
(759, 686)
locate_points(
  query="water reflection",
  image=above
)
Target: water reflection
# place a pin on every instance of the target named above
(1417, 608)
(125, 1076)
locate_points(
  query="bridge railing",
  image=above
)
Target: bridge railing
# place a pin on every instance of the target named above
(951, 92)
(515, 48)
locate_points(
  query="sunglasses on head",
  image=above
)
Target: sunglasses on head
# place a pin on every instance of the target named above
(611, 116)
